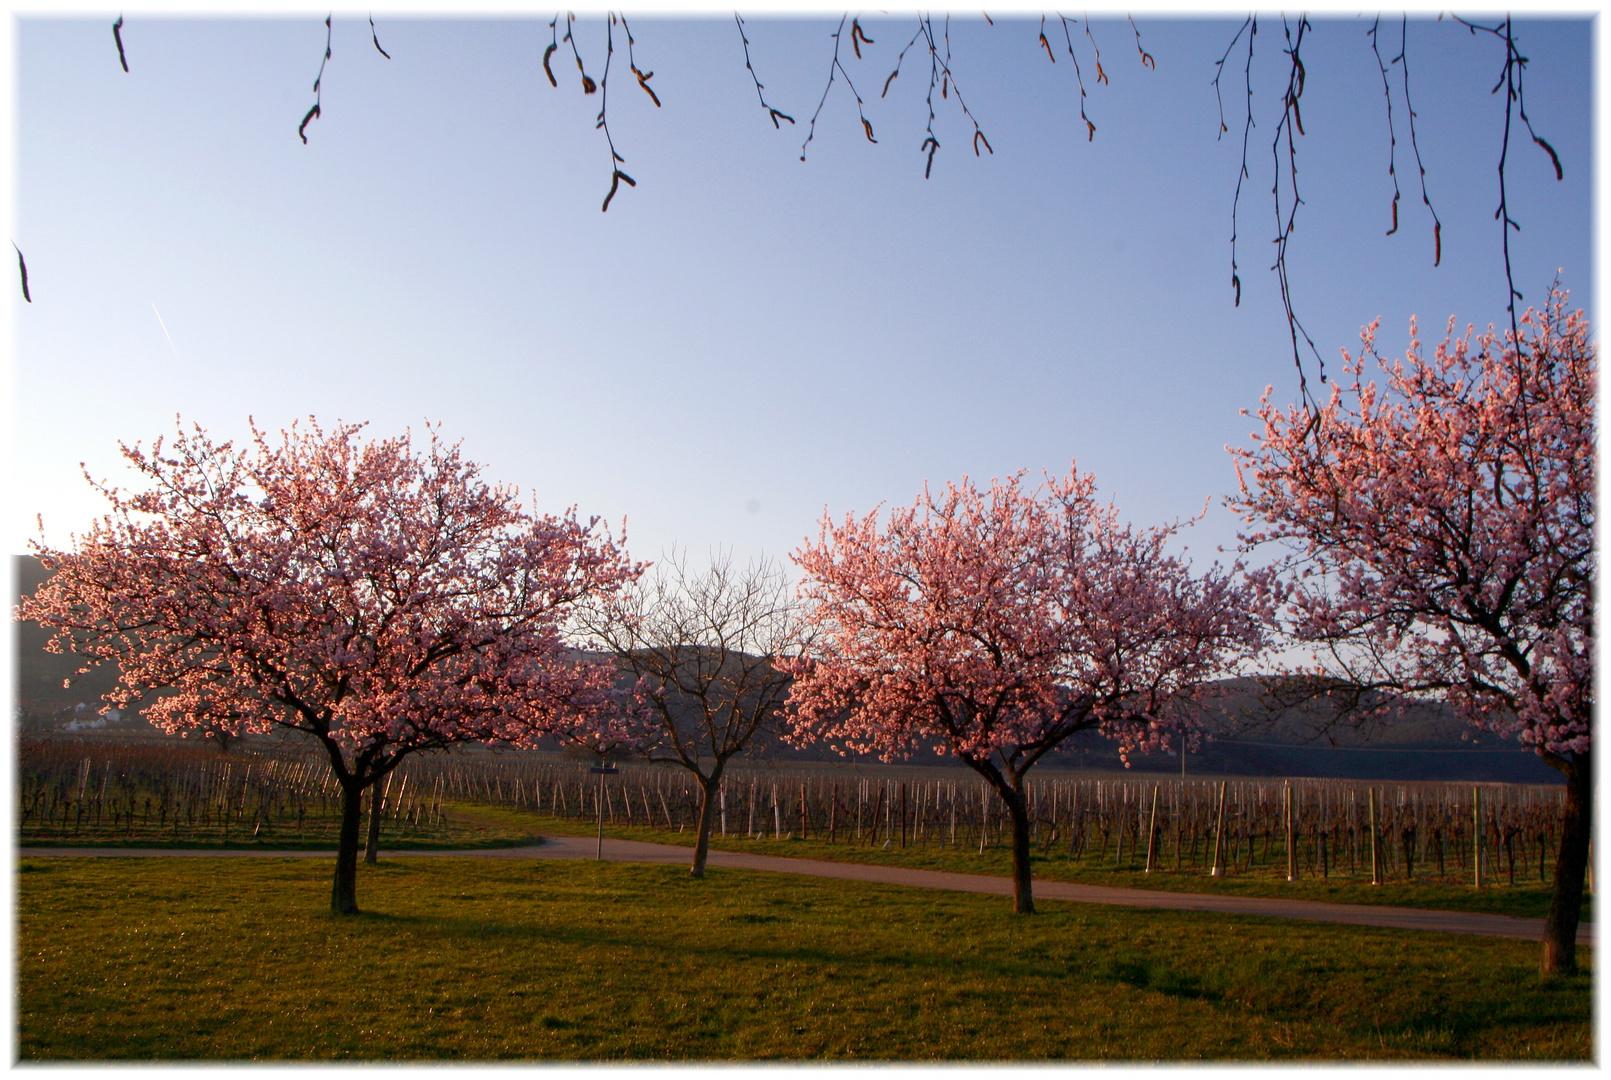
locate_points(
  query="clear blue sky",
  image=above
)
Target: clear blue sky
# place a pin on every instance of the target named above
(743, 340)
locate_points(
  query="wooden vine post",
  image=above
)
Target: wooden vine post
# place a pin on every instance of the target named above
(1219, 834)
(603, 769)
(1118, 858)
(1292, 856)
(951, 800)
(890, 811)
(1375, 842)
(984, 818)
(1476, 835)
(903, 813)
(1152, 829)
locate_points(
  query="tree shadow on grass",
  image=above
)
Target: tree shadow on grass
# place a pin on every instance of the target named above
(1148, 973)
(728, 924)
(1442, 1023)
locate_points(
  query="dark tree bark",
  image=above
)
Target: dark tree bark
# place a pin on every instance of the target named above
(707, 813)
(1023, 900)
(1565, 907)
(344, 894)
(1008, 783)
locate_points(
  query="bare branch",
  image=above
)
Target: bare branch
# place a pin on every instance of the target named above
(1079, 77)
(313, 113)
(1219, 69)
(374, 36)
(1286, 131)
(616, 175)
(117, 36)
(553, 46)
(943, 78)
(704, 647)
(643, 76)
(22, 267)
(773, 114)
(1251, 25)
(1511, 80)
(1146, 57)
(1403, 58)
(834, 67)
(1392, 137)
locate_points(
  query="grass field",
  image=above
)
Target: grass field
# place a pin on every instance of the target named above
(458, 830)
(473, 959)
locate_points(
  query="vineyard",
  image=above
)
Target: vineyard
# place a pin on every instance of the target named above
(1232, 826)
(98, 792)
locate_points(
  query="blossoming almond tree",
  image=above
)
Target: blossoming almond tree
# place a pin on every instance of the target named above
(995, 624)
(1442, 535)
(380, 599)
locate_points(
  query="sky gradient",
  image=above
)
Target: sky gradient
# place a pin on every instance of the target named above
(744, 340)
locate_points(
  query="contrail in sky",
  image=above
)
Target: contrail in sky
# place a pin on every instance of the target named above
(164, 327)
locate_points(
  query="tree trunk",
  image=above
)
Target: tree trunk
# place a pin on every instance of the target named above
(1565, 906)
(1023, 900)
(707, 811)
(344, 895)
(372, 843)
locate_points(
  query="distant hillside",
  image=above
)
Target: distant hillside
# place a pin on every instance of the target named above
(1426, 742)
(41, 696)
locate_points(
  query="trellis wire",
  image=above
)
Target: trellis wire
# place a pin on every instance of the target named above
(1423, 829)
(70, 790)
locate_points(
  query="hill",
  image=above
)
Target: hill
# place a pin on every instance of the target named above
(42, 699)
(1246, 738)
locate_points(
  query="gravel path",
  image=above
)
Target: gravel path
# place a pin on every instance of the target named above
(579, 847)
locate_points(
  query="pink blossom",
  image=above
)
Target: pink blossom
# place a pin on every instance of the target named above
(995, 624)
(1442, 525)
(1441, 530)
(379, 599)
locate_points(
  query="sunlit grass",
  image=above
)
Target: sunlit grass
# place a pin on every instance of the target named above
(462, 826)
(473, 958)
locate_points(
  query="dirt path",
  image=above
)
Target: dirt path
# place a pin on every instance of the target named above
(579, 847)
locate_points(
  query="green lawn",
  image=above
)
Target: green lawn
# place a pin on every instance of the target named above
(1528, 898)
(141, 959)
(319, 831)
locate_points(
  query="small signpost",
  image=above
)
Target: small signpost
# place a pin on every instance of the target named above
(603, 768)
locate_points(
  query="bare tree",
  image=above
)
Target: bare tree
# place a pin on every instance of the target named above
(704, 648)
